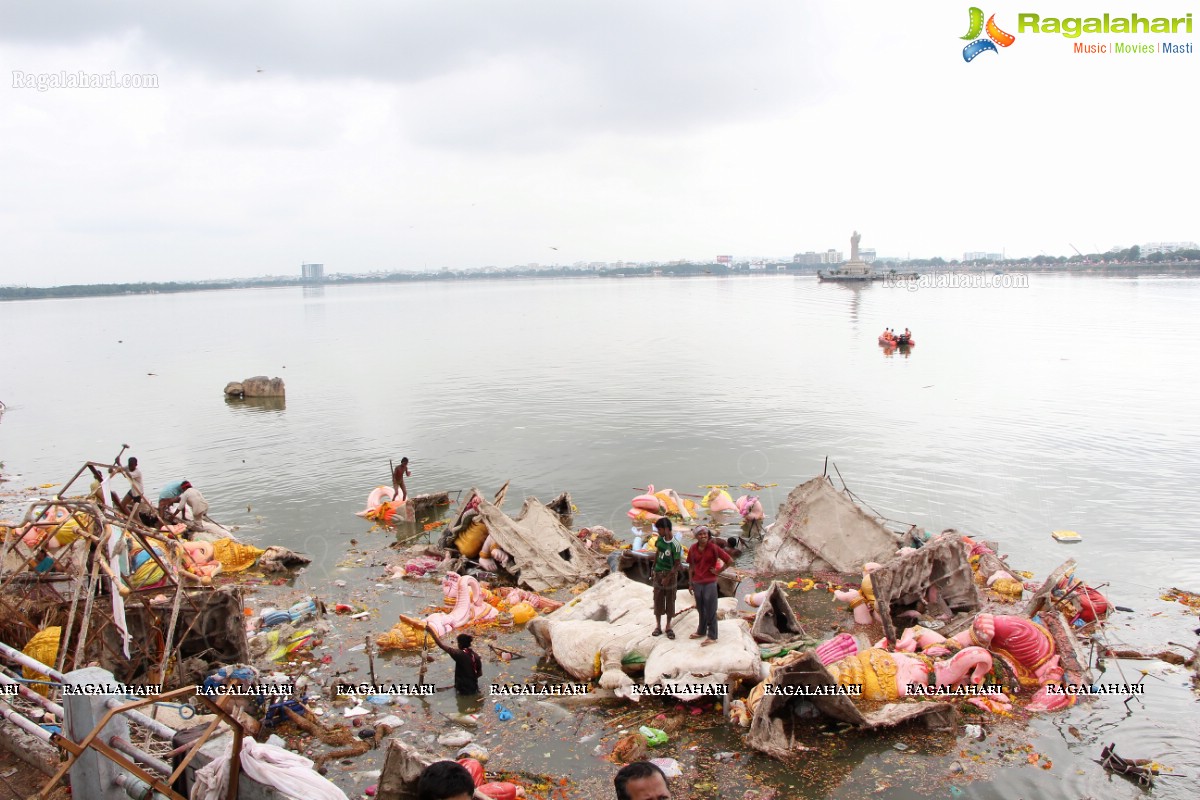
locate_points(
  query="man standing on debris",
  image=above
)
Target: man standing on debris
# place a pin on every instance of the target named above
(706, 559)
(137, 489)
(668, 561)
(641, 780)
(467, 664)
(445, 780)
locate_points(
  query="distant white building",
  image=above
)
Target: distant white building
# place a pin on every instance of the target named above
(1167, 247)
(811, 258)
(867, 254)
(312, 272)
(979, 255)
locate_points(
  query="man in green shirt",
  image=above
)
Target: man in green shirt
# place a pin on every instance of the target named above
(668, 563)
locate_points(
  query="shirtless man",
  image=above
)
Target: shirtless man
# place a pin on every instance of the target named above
(398, 476)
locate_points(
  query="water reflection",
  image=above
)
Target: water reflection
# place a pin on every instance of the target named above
(890, 350)
(256, 403)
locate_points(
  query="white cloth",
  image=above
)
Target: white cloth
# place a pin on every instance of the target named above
(99, 491)
(272, 766)
(118, 602)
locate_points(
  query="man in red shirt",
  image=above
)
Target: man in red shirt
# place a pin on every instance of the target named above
(706, 560)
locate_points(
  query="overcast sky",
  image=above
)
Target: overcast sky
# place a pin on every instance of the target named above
(464, 133)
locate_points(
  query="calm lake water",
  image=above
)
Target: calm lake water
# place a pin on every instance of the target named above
(1067, 404)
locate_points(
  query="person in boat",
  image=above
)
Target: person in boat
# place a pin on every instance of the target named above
(907, 334)
(398, 475)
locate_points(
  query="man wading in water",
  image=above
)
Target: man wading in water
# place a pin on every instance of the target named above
(667, 562)
(467, 664)
(398, 475)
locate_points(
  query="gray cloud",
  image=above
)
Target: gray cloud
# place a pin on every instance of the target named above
(572, 67)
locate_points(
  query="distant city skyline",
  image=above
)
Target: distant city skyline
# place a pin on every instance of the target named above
(318, 272)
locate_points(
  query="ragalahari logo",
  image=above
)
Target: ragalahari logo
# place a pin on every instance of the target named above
(995, 36)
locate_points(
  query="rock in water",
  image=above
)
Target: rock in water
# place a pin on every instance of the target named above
(262, 386)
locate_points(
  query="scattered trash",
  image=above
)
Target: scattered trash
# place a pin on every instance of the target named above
(1067, 537)
(901, 746)
(629, 748)
(455, 738)
(473, 750)
(388, 723)
(654, 736)
(669, 766)
(498, 790)
(1189, 599)
(974, 731)
(1141, 771)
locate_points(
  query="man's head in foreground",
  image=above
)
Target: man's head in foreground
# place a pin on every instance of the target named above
(445, 780)
(641, 780)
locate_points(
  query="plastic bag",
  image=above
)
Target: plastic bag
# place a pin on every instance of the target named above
(654, 736)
